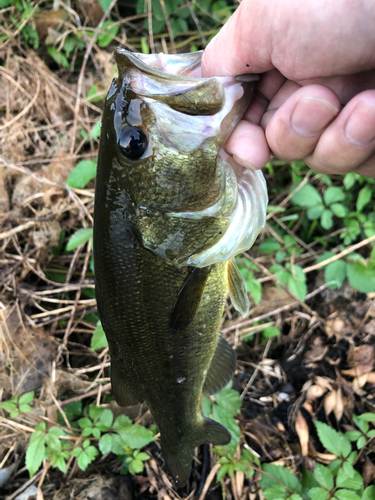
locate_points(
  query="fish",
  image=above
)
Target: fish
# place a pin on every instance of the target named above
(172, 210)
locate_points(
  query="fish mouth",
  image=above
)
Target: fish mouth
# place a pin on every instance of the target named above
(189, 109)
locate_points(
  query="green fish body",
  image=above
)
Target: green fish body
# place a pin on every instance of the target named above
(170, 215)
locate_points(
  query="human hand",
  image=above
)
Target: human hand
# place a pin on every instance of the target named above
(316, 96)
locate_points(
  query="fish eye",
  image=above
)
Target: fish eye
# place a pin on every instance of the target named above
(133, 142)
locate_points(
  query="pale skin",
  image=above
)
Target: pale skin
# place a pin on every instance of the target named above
(316, 97)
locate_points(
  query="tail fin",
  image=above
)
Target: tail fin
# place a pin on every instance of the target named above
(178, 452)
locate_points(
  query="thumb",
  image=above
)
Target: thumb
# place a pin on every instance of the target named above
(243, 45)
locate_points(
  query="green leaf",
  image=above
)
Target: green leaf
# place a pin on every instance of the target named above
(82, 174)
(35, 452)
(84, 422)
(361, 442)
(353, 435)
(79, 238)
(318, 494)
(98, 340)
(58, 56)
(324, 476)
(346, 495)
(350, 179)
(25, 408)
(222, 471)
(53, 443)
(364, 196)
(136, 436)
(361, 277)
(226, 419)
(344, 481)
(339, 210)
(109, 31)
(26, 398)
(105, 420)
(269, 245)
(105, 443)
(335, 273)
(297, 283)
(105, 4)
(271, 331)
(255, 288)
(230, 400)
(329, 438)
(136, 466)
(122, 422)
(281, 474)
(95, 132)
(59, 462)
(314, 213)
(144, 46)
(308, 196)
(326, 219)
(333, 194)
(368, 417)
(369, 493)
(361, 423)
(276, 492)
(95, 95)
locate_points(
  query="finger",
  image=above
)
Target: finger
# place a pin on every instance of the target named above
(248, 145)
(349, 142)
(367, 168)
(296, 118)
(267, 87)
(243, 45)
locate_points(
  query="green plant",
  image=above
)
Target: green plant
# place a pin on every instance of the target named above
(359, 272)
(337, 481)
(18, 404)
(253, 286)
(102, 432)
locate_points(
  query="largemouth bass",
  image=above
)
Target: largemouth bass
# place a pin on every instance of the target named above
(171, 212)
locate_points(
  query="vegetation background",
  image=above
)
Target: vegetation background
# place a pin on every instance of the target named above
(301, 410)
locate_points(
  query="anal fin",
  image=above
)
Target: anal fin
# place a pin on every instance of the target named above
(237, 289)
(222, 368)
(188, 299)
(123, 395)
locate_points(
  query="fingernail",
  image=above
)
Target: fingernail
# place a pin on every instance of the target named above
(360, 128)
(311, 115)
(244, 163)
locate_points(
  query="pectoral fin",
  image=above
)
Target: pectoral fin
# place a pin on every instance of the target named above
(221, 371)
(237, 289)
(121, 392)
(188, 299)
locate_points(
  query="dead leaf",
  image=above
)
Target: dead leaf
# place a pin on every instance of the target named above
(314, 392)
(302, 430)
(330, 402)
(368, 472)
(361, 355)
(339, 408)
(359, 382)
